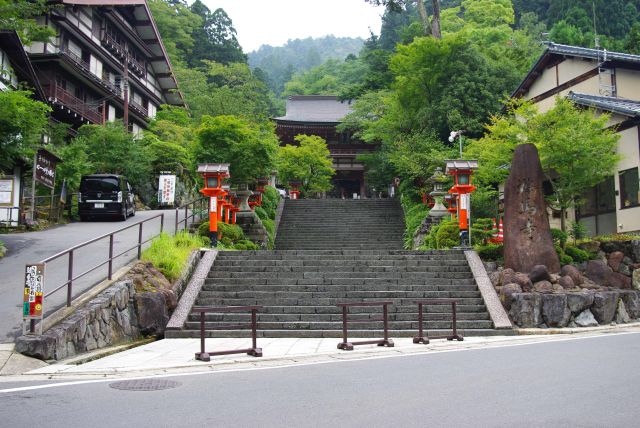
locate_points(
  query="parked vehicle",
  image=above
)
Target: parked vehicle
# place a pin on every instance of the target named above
(104, 195)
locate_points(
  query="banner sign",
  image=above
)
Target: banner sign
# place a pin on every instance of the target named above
(33, 291)
(167, 189)
(45, 168)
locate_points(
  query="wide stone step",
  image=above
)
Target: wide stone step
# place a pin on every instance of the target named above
(445, 273)
(347, 295)
(220, 263)
(248, 259)
(328, 288)
(315, 301)
(371, 269)
(337, 317)
(338, 281)
(301, 325)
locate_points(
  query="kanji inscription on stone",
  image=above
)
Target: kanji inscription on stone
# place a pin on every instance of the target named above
(527, 235)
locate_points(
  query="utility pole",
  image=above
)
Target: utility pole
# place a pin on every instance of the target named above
(125, 84)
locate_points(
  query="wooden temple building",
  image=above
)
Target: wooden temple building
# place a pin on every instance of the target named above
(320, 115)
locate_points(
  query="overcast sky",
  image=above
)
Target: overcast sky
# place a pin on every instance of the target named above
(273, 22)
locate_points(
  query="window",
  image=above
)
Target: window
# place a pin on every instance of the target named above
(600, 199)
(629, 188)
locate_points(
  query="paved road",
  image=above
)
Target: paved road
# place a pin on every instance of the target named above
(32, 247)
(587, 382)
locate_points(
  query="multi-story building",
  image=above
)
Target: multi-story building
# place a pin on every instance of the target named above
(320, 115)
(608, 82)
(106, 62)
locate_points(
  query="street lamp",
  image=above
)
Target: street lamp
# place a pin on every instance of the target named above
(461, 170)
(213, 175)
(452, 138)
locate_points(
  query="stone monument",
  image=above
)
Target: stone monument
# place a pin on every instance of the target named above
(527, 235)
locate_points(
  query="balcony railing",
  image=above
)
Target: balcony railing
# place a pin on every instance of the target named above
(85, 67)
(139, 108)
(120, 50)
(58, 94)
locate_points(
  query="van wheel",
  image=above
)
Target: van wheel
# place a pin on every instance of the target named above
(123, 214)
(133, 211)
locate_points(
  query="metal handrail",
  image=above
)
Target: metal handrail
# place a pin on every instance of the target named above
(187, 215)
(109, 261)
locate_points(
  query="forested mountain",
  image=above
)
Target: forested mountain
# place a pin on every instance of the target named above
(282, 62)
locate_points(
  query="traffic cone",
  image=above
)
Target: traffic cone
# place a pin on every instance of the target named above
(500, 232)
(494, 229)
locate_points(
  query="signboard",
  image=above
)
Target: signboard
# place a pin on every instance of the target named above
(213, 204)
(6, 191)
(45, 168)
(33, 291)
(464, 201)
(167, 189)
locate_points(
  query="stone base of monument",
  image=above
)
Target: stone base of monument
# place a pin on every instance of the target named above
(252, 227)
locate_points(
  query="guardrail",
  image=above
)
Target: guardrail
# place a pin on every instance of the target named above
(348, 346)
(192, 210)
(254, 350)
(422, 338)
(109, 261)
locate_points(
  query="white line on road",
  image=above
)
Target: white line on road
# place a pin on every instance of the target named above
(363, 358)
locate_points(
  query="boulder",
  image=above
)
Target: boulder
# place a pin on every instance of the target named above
(598, 272)
(539, 273)
(543, 287)
(554, 310)
(590, 246)
(506, 294)
(578, 302)
(572, 272)
(624, 269)
(618, 280)
(588, 284)
(527, 236)
(631, 301)
(635, 279)
(506, 276)
(635, 250)
(555, 278)
(152, 313)
(526, 309)
(566, 282)
(494, 277)
(612, 246)
(615, 259)
(586, 319)
(42, 347)
(604, 306)
(622, 317)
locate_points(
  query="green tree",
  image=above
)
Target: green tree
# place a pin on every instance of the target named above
(21, 16)
(577, 150)
(22, 122)
(176, 24)
(309, 162)
(114, 150)
(249, 149)
(216, 39)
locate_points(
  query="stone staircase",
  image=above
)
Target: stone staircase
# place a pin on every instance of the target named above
(300, 288)
(341, 224)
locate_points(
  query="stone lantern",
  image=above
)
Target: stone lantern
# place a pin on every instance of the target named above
(213, 175)
(462, 170)
(437, 180)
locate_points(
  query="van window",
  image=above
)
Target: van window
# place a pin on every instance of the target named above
(103, 184)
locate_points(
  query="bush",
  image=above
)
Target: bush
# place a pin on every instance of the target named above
(414, 214)
(559, 237)
(490, 252)
(578, 255)
(447, 235)
(481, 231)
(270, 225)
(169, 254)
(232, 231)
(564, 258)
(245, 244)
(578, 231)
(270, 201)
(261, 213)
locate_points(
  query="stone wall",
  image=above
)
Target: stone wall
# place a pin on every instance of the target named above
(106, 320)
(587, 308)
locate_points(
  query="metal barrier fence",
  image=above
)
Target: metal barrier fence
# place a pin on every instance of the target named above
(192, 210)
(348, 346)
(422, 338)
(109, 261)
(254, 350)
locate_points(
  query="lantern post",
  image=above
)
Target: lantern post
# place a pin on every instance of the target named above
(462, 170)
(213, 175)
(294, 193)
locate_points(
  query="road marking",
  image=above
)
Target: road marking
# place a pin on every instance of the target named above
(313, 363)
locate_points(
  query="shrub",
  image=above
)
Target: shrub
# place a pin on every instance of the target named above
(448, 235)
(245, 244)
(481, 231)
(490, 252)
(169, 254)
(270, 225)
(578, 255)
(270, 201)
(564, 258)
(261, 213)
(232, 231)
(578, 231)
(559, 237)
(414, 214)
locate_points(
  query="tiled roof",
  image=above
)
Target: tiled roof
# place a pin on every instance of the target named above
(613, 104)
(315, 108)
(592, 53)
